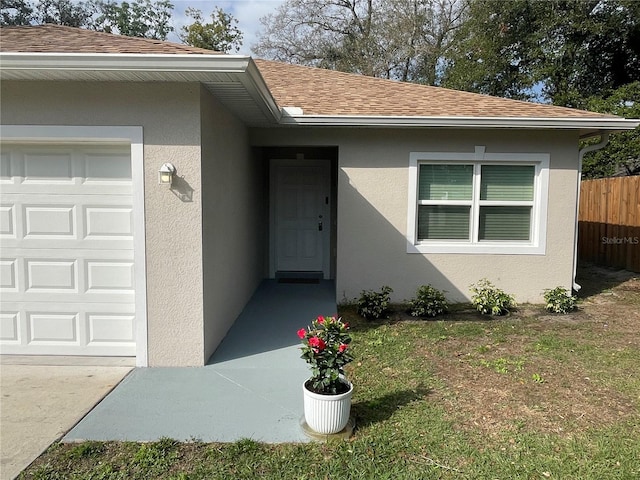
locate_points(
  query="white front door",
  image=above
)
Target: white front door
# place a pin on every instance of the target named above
(67, 267)
(300, 216)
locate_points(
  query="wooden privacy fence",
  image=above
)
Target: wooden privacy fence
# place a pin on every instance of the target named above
(609, 222)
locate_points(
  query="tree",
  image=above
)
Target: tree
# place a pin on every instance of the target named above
(59, 12)
(622, 155)
(399, 39)
(597, 49)
(15, 12)
(495, 50)
(419, 34)
(567, 50)
(140, 18)
(221, 35)
(65, 12)
(583, 54)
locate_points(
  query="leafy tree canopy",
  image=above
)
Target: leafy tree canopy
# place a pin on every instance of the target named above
(61, 12)
(569, 50)
(138, 18)
(575, 53)
(15, 12)
(622, 154)
(221, 35)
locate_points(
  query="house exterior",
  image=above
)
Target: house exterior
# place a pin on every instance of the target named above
(279, 168)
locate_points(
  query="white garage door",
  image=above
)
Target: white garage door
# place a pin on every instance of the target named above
(67, 270)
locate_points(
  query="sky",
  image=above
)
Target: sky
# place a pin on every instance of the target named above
(247, 12)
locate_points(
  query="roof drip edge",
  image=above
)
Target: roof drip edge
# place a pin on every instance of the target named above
(612, 123)
(34, 65)
(123, 62)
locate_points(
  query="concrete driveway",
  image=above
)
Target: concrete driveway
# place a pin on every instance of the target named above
(42, 398)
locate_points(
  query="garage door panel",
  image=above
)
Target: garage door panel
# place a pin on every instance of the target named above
(7, 221)
(50, 221)
(64, 169)
(67, 329)
(46, 328)
(66, 221)
(8, 276)
(110, 277)
(92, 276)
(95, 189)
(10, 327)
(111, 328)
(67, 273)
(102, 221)
(106, 169)
(47, 168)
(51, 276)
(5, 168)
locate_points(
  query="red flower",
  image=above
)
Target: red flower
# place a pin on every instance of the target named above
(302, 333)
(320, 319)
(343, 347)
(317, 344)
(346, 325)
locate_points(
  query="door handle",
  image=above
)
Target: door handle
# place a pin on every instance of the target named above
(319, 226)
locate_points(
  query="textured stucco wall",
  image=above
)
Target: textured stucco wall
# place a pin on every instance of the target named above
(233, 220)
(372, 211)
(170, 116)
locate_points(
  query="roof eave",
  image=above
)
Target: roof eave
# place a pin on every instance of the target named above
(256, 81)
(571, 123)
(138, 67)
(135, 66)
(123, 62)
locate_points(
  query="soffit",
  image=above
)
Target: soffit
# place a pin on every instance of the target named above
(232, 79)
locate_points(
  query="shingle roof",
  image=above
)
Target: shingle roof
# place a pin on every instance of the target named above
(61, 39)
(327, 92)
(316, 91)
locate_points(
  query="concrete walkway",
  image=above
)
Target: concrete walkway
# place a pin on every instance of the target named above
(252, 387)
(41, 402)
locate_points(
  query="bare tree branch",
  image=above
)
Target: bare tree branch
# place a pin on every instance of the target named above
(398, 39)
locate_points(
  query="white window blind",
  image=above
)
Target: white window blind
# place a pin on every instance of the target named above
(507, 182)
(446, 182)
(443, 222)
(504, 223)
(475, 202)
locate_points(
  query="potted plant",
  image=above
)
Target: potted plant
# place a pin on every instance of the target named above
(327, 394)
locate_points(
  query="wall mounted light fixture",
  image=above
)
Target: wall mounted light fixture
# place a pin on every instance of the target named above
(166, 173)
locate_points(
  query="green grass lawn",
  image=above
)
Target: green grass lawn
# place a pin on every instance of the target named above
(527, 396)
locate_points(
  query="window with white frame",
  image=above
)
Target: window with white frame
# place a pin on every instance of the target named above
(477, 203)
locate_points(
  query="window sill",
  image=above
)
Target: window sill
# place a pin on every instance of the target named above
(505, 248)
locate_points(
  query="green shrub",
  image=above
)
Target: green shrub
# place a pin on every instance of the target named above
(373, 305)
(488, 299)
(428, 302)
(559, 300)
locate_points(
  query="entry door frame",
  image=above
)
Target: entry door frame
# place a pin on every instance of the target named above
(327, 220)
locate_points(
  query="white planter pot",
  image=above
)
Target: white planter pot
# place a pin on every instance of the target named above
(327, 414)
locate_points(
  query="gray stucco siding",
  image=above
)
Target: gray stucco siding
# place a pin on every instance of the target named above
(233, 221)
(169, 114)
(372, 211)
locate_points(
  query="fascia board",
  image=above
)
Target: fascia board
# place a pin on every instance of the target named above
(124, 62)
(137, 65)
(254, 82)
(602, 123)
